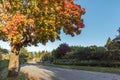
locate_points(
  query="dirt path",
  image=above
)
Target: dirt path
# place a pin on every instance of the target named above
(52, 73)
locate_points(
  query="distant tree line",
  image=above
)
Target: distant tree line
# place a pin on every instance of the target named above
(109, 52)
(3, 51)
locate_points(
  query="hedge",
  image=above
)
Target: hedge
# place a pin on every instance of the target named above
(87, 63)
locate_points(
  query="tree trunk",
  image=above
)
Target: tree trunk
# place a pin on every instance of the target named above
(13, 67)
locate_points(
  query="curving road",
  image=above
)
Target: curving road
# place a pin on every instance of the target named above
(53, 73)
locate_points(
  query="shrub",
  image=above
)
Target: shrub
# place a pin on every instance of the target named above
(87, 63)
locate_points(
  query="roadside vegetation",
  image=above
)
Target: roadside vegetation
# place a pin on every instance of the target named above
(94, 58)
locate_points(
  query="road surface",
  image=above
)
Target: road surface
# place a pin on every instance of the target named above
(40, 72)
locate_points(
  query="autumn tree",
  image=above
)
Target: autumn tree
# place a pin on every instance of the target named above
(29, 22)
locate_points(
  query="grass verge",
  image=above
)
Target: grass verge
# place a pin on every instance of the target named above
(3, 76)
(87, 68)
(3, 63)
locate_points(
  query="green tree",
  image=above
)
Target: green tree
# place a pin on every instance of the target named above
(113, 51)
(54, 54)
(24, 52)
(3, 51)
(23, 55)
(46, 57)
(98, 53)
(114, 45)
(29, 22)
(30, 56)
(79, 54)
(108, 42)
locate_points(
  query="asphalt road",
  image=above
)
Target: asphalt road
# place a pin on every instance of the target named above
(53, 73)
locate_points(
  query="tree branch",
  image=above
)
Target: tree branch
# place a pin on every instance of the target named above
(3, 3)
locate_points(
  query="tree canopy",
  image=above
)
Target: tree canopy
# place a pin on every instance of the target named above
(28, 22)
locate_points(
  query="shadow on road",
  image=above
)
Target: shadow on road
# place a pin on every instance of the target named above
(38, 72)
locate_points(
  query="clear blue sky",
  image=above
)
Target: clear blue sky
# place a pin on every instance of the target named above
(102, 19)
